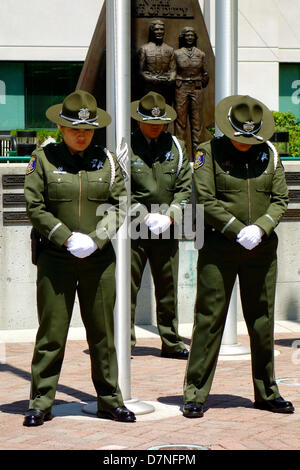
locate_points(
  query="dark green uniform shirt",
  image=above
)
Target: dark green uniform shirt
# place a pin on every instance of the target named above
(65, 193)
(160, 177)
(239, 188)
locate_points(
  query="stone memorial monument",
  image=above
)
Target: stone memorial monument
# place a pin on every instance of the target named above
(163, 60)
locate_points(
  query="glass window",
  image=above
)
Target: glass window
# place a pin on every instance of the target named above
(289, 89)
(47, 83)
(11, 95)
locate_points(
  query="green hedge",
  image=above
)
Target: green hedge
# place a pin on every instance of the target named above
(287, 122)
(42, 134)
(283, 122)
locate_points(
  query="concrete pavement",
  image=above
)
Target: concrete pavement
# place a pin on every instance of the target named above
(230, 422)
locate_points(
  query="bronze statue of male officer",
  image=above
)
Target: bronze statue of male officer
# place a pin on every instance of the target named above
(157, 63)
(191, 78)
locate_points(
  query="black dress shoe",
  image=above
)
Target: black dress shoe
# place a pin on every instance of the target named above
(118, 414)
(193, 409)
(279, 405)
(36, 417)
(184, 354)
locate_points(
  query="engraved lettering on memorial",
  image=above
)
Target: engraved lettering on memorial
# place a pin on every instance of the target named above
(15, 218)
(292, 214)
(13, 180)
(10, 199)
(292, 177)
(163, 9)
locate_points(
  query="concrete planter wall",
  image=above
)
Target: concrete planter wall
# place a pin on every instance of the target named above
(18, 275)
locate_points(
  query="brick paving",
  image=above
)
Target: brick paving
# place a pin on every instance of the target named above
(230, 422)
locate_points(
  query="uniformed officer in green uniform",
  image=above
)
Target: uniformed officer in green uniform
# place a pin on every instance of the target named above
(65, 187)
(241, 183)
(161, 181)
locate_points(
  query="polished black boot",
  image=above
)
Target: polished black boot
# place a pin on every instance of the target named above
(118, 414)
(184, 354)
(193, 409)
(36, 417)
(278, 405)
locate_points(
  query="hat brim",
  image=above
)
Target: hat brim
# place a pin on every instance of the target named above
(170, 115)
(53, 114)
(266, 131)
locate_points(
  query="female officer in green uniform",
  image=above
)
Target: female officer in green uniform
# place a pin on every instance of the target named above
(161, 184)
(241, 183)
(65, 186)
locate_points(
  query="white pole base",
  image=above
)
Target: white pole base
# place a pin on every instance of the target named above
(233, 349)
(134, 405)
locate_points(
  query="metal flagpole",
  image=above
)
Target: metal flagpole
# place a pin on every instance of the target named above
(118, 64)
(226, 74)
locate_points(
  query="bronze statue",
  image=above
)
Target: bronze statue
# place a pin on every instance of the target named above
(191, 78)
(157, 63)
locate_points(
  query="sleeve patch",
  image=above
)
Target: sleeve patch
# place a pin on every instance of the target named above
(199, 159)
(31, 165)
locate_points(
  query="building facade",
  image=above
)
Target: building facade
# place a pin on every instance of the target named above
(43, 45)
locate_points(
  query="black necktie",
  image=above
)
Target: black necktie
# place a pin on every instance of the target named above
(79, 160)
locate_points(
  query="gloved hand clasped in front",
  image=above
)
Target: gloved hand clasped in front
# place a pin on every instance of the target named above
(158, 223)
(81, 245)
(249, 237)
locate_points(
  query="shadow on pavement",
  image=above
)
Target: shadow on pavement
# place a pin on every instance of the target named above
(20, 406)
(213, 401)
(288, 342)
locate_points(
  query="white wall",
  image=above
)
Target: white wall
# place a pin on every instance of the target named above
(268, 33)
(47, 29)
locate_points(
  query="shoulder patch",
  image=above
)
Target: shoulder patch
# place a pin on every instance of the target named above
(199, 159)
(31, 165)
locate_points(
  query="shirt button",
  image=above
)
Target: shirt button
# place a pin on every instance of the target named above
(59, 180)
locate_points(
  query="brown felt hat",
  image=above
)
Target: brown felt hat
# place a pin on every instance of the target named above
(245, 119)
(79, 110)
(152, 109)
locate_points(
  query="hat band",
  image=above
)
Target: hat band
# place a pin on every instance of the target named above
(81, 121)
(151, 118)
(243, 132)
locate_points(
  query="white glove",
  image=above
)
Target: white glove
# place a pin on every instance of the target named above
(81, 245)
(249, 237)
(158, 223)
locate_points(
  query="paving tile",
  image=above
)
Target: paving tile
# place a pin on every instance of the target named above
(230, 422)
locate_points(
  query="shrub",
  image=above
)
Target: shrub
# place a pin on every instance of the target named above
(42, 134)
(287, 122)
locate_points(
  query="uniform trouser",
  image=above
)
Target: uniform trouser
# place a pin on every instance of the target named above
(189, 102)
(163, 256)
(60, 276)
(219, 262)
